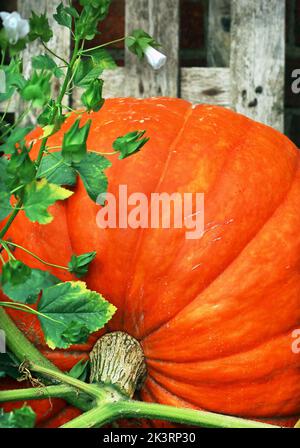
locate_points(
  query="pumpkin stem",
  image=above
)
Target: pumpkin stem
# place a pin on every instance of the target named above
(117, 359)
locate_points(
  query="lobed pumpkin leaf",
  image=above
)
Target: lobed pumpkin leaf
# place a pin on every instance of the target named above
(71, 312)
(91, 170)
(38, 196)
(45, 62)
(29, 290)
(56, 170)
(18, 418)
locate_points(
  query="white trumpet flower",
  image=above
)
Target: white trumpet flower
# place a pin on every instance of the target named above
(155, 58)
(16, 28)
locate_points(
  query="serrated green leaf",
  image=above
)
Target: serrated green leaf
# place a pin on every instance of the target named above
(39, 27)
(79, 265)
(5, 206)
(38, 196)
(14, 273)
(57, 171)
(87, 71)
(15, 137)
(29, 290)
(18, 418)
(63, 16)
(45, 62)
(91, 170)
(9, 365)
(71, 312)
(102, 58)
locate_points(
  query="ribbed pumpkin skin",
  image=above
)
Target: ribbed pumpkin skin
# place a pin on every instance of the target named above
(214, 315)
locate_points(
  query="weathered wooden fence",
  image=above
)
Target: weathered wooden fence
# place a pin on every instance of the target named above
(246, 62)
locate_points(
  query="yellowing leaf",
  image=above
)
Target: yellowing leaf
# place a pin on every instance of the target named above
(39, 195)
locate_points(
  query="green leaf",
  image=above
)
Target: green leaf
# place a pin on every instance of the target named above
(38, 196)
(5, 206)
(74, 145)
(130, 143)
(102, 58)
(71, 312)
(79, 371)
(9, 365)
(15, 272)
(79, 265)
(29, 290)
(57, 174)
(13, 79)
(14, 137)
(18, 418)
(87, 71)
(39, 27)
(91, 170)
(45, 62)
(63, 16)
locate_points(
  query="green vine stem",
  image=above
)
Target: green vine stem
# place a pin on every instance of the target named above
(36, 393)
(109, 412)
(9, 243)
(24, 350)
(90, 389)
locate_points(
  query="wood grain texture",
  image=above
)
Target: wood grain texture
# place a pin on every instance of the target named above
(218, 38)
(60, 43)
(206, 85)
(257, 59)
(161, 20)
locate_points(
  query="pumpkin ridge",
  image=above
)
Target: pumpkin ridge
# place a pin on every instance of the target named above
(280, 204)
(138, 243)
(235, 354)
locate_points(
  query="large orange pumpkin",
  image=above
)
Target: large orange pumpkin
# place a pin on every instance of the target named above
(214, 315)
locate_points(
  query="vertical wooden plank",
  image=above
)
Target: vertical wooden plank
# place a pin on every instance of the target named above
(257, 59)
(60, 43)
(218, 39)
(161, 20)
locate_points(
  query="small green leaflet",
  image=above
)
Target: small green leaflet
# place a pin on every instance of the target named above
(71, 312)
(79, 265)
(18, 418)
(64, 15)
(91, 170)
(28, 291)
(80, 370)
(56, 170)
(38, 196)
(45, 62)
(130, 143)
(5, 207)
(9, 147)
(102, 58)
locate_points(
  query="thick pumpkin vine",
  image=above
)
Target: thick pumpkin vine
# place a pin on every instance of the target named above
(68, 311)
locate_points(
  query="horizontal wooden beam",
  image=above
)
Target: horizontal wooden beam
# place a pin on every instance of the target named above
(206, 85)
(198, 85)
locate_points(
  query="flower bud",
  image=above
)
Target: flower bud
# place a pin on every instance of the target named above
(92, 97)
(155, 58)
